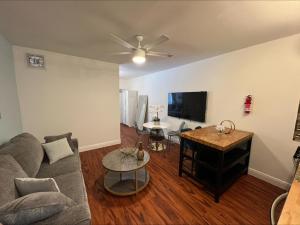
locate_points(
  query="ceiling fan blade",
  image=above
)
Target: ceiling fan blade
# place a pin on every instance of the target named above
(160, 54)
(158, 41)
(122, 42)
(121, 53)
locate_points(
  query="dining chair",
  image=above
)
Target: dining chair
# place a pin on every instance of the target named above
(141, 134)
(157, 137)
(175, 133)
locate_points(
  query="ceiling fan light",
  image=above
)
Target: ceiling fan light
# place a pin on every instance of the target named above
(138, 59)
(139, 56)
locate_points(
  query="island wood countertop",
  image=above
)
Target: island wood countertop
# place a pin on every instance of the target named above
(290, 213)
(210, 137)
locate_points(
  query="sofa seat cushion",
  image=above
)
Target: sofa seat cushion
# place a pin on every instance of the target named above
(9, 170)
(72, 185)
(63, 166)
(27, 151)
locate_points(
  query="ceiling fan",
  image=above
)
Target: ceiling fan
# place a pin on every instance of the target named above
(141, 51)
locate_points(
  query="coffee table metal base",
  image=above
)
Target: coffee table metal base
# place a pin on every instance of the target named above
(126, 183)
(158, 146)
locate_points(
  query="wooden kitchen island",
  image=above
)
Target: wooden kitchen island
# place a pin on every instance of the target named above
(213, 159)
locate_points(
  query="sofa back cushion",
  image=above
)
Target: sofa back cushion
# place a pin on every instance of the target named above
(9, 170)
(27, 151)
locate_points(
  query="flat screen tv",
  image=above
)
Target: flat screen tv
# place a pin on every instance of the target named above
(187, 105)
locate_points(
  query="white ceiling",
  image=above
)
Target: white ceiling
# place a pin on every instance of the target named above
(197, 29)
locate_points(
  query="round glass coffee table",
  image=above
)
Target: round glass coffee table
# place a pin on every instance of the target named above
(124, 174)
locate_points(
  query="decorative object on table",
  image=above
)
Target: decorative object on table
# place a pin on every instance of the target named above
(223, 129)
(128, 151)
(156, 120)
(220, 128)
(155, 109)
(140, 152)
(248, 102)
(36, 61)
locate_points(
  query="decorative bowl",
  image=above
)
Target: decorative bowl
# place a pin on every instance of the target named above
(128, 150)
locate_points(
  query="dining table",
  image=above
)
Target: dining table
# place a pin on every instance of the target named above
(155, 125)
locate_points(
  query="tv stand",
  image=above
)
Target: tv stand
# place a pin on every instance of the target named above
(214, 160)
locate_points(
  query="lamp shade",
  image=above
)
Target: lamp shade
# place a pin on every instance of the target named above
(139, 56)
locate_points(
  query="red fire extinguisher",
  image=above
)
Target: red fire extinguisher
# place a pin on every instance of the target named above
(248, 102)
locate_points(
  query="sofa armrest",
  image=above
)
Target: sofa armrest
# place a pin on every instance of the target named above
(75, 142)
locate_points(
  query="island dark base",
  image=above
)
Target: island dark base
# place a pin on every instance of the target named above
(216, 169)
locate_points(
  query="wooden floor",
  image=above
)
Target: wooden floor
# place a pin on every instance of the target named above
(170, 199)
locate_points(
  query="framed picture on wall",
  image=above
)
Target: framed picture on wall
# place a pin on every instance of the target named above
(297, 126)
(36, 61)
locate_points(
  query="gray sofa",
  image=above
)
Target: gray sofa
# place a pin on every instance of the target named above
(28, 152)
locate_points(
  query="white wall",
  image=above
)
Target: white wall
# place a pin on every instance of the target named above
(10, 123)
(270, 72)
(124, 83)
(72, 94)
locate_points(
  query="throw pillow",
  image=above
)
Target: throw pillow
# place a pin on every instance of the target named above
(27, 186)
(57, 150)
(49, 139)
(33, 208)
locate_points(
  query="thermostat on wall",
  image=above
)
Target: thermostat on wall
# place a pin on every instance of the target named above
(36, 61)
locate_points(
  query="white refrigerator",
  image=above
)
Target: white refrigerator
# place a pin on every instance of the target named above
(128, 107)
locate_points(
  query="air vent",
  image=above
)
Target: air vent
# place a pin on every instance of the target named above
(297, 126)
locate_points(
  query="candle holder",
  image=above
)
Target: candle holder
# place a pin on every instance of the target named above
(222, 129)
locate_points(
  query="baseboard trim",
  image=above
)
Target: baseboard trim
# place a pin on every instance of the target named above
(272, 180)
(99, 145)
